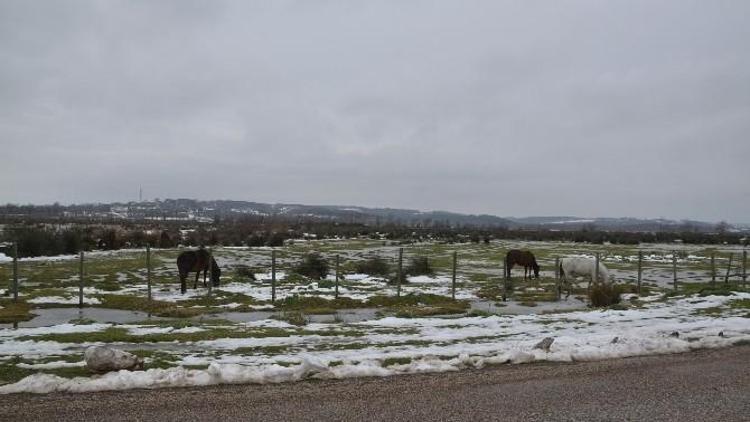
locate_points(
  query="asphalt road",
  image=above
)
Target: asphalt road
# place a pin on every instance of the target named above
(709, 385)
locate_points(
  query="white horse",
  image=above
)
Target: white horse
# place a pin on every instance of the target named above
(574, 267)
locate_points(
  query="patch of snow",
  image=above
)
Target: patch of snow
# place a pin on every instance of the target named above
(445, 344)
(52, 365)
(64, 300)
(424, 279)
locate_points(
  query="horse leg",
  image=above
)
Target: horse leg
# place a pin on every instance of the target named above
(195, 284)
(183, 285)
(204, 277)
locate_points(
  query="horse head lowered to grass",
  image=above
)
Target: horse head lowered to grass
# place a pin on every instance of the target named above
(197, 261)
(525, 258)
(584, 267)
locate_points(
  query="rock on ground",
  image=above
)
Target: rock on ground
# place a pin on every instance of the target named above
(106, 359)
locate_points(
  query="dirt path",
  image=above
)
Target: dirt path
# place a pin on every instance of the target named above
(699, 386)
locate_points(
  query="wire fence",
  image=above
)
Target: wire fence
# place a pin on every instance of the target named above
(279, 267)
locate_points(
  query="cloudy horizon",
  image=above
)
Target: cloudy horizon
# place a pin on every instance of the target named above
(581, 108)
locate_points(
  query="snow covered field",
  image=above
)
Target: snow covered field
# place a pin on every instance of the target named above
(237, 335)
(386, 346)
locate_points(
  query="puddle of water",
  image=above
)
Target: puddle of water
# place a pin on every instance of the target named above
(345, 316)
(54, 316)
(243, 316)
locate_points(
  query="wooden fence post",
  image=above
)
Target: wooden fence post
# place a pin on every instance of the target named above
(453, 283)
(674, 270)
(729, 268)
(558, 289)
(640, 272)
(713, 267)
(596, 269)
(80, 283)
(400, 269)
(273, 276)
(148, 270)
(505, 280)
(336, 296)
(15, 272)
(744, 268)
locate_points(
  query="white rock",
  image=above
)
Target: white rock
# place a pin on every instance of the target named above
(106, 359)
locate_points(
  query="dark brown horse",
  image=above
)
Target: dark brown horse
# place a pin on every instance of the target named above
(525, 258)
(197, 261)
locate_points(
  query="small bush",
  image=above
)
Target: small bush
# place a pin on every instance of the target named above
(604, 294)
(313, 266)
(326, 284)
(374, 266)
(420, 266)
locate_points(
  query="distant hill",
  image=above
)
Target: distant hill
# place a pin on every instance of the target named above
(207, 211)
(620, 224)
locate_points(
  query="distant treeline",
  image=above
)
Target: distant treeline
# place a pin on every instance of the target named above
(40, 239)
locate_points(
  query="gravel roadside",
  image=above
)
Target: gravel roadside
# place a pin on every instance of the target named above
(698, 386)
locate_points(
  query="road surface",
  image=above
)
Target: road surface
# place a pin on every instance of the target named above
(708, 385)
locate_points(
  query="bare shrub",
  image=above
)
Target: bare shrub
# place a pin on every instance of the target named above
(313, 266)
(374, 266)
(604, 294)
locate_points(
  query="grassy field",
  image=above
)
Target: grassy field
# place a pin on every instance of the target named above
(117, 280)
(237, 321)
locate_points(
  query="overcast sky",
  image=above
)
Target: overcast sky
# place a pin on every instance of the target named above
(587, 108)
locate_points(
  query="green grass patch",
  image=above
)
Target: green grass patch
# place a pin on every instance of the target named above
(426, 311)
(260, 350)
(712, 311)
(218, 298)
(740, 304)
(306, 303)
(479, 313)
(11, 373)
(14, 312)
(154, 307)
(183, 323)
(396, 361)
(121, 335)
(706, 289)
(156, 359)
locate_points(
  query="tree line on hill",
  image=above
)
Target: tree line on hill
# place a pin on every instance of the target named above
(56, 238)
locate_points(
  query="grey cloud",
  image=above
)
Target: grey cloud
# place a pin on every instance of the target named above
(576, 108)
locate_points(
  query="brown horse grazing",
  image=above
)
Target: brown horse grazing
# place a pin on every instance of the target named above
(197, 261)
(525, 258)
